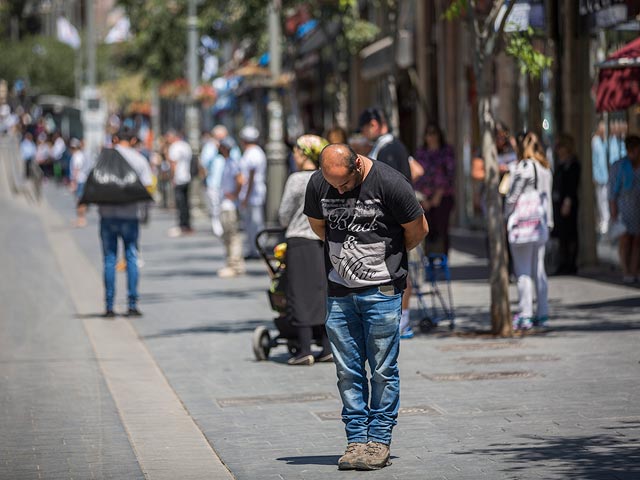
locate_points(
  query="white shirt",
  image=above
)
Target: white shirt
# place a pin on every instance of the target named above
(79, 166)
(180, 152)
(254, 159)
(58, 148)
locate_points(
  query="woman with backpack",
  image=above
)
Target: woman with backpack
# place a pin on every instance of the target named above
(528, 209)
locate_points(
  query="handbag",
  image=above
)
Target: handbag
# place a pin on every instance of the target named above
(616, 230)
(112, 181)
(528, 223)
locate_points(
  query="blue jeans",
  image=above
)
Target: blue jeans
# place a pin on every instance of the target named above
(363, 327)
(110, 230)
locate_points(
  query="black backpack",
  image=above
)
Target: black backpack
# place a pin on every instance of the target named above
(112, 181)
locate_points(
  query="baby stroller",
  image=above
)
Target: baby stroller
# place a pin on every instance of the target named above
(427, 271)
(271, 246)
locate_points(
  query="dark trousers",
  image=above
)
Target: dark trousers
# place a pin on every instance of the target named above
(182, 204)
(438, 219)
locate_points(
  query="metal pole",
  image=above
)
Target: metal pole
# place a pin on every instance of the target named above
(276, 150)
(91, 44)
(192, 113)
(192, 118)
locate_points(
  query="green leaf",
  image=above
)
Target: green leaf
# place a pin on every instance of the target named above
(455, 9)
(530, 61)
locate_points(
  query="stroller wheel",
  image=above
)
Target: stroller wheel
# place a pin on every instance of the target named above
(426, 325)
(261, 343)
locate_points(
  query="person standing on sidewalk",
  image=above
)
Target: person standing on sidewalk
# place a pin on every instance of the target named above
(79, 172)
(254, 193)
(600, 176)
(213, 164)
(566, 189)
(121, 221)
(368, 216)
(531, 179)
(230, 186)
(179, 154)
(624, 198)
(437, 186)
(386, 148)
(306, 285)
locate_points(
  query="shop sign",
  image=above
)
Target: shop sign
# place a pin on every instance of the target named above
(592, 6)
(611, 16)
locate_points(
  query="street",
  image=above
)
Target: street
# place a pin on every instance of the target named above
(178, 394)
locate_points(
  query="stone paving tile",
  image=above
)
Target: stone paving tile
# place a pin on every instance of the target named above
(58, 419)
(199, 328)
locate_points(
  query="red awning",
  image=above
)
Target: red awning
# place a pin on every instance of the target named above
(619, 79)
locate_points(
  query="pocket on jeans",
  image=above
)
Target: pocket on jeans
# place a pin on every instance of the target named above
(388, 290)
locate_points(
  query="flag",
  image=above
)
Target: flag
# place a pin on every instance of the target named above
(67, 33)
(119, 32)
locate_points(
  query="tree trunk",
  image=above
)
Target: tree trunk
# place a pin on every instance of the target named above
(499, 274)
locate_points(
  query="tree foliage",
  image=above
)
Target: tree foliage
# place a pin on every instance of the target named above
(44, 63)
(519, 45)
(159, 44)
(531, 61)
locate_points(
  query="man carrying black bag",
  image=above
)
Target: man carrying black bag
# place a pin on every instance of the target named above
(117, 184)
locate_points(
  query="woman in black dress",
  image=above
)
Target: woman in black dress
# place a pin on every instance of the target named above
(306, 286)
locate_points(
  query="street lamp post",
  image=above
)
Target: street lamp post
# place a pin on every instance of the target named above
(192, 119)
(192, 114)
(276, 150)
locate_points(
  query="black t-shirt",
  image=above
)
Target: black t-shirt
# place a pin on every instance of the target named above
(395, 155)
(364, 244)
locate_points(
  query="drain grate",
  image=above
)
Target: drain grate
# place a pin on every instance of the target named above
(480, 346)
(508, 359)
(266, 399)
(403, 412)
(461, 377)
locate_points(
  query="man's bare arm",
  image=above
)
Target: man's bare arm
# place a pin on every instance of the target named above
(318, 226)
(414, 232)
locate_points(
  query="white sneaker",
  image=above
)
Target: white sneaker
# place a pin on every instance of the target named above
(229, 272)
(174, 232)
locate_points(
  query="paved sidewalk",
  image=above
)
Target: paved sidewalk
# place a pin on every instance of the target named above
(561, 405)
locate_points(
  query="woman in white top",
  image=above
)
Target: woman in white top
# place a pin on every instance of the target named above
(530, 174)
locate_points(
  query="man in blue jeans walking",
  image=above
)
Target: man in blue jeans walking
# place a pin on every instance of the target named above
(369, 217)
(121, 221)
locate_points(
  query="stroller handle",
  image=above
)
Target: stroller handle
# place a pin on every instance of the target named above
(267, 257)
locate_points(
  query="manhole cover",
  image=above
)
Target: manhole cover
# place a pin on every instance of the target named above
(403, 412)
(461, 377)
(480, 346)
(508, 359)
(265, 399)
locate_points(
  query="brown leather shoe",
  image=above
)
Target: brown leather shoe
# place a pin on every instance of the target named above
(376, 456)
(354, 453)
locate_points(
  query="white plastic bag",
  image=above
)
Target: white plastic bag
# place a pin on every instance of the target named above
(616, 230)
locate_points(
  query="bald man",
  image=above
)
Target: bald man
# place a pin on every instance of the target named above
(368, 216)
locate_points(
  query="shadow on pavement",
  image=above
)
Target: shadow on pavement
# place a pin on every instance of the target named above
(589, 457)
(615, 306)
(224, 327)
(469, 272)
(199, 273)
(311, 460)
(149, 298)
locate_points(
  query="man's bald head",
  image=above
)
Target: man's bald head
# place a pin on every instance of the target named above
(341, 167)
(338, 154)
